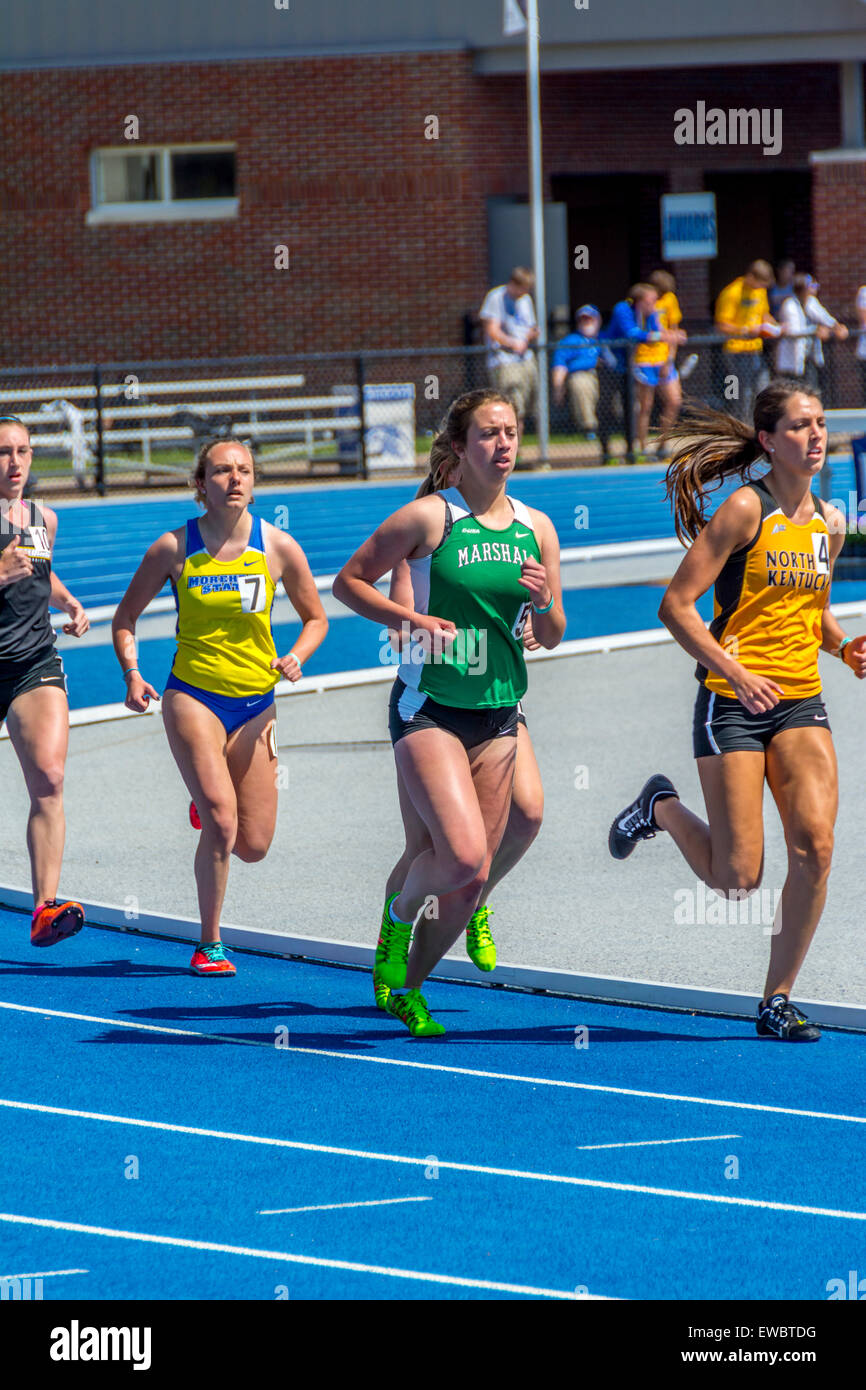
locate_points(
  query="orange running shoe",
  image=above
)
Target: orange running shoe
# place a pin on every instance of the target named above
(209, 958)
(194, 818)
(54, 921)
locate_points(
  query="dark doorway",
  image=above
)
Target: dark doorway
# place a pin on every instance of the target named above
(616, 216)
(760, 214)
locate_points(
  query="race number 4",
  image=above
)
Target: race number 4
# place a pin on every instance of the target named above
(253, 592)
(822, 552)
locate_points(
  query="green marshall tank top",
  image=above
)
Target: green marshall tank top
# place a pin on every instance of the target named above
(472, 579)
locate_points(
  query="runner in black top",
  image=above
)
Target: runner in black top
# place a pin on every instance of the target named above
(32, 684)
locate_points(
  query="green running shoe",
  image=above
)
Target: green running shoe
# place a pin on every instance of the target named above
(381, 991)
(392, 949)
(480, 946)
(411, 1009)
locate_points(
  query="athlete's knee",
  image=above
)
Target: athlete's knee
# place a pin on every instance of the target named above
(525, 821)
(47, 781)
(741, 878)
(221, 824)
(250, 853)
(466, 866)
(813, 854)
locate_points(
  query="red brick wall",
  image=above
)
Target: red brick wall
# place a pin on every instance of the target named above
(839, 232)
(387, 230)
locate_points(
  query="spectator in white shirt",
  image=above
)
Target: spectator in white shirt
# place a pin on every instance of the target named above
(799, 313)
(508, 317)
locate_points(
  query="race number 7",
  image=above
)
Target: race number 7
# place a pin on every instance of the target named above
(252, 591)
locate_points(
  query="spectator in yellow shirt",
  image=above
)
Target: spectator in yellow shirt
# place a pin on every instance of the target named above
(743, 315)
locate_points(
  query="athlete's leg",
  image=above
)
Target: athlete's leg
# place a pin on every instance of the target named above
(524, 820)
(645, 396)
(437, 776)
(491, 772)
(38, 723)
(802, 776)
(525, 814)
(252, 764)
(197, 739)
(416, 839)
(728, 854)
(671, 398)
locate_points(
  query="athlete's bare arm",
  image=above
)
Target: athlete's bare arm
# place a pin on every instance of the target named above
(288, 559)
(832, 634)
(163, 560)
(542, 582)
(412, 532)
(60, 597)
(731, 527)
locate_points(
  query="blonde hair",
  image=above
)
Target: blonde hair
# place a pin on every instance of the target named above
(199, 473)
(454, 429)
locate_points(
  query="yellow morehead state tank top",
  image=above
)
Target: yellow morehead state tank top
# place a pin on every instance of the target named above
(769, 600)
(224, 640)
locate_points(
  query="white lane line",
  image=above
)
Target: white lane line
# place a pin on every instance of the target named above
(453, 1071)
(441, 1163)
(44, 1274)
(338, 1206)
(292, 1259)
(643, 1143)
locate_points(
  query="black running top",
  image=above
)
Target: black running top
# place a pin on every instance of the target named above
(25, 628)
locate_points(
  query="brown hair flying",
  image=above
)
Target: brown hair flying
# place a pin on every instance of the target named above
(710, 445)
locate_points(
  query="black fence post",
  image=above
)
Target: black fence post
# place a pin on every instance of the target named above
(100, 444)
(628, 403)
(362, 413)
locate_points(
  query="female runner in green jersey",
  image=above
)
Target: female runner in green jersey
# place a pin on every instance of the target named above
(479, 560)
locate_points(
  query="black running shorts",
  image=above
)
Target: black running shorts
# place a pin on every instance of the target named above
(15, 679)
(411, 709)
(723, 725)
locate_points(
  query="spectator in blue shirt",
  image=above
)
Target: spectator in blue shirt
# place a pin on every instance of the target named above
(632, 319)
(574, 361)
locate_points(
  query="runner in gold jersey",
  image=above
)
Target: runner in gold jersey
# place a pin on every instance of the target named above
(769, 552)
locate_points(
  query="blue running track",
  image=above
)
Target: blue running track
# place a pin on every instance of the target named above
(100, 544)
(160, 1141)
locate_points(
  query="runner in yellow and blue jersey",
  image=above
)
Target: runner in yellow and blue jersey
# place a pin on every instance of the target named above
(479, 560)
(768, 551)
(218, 705)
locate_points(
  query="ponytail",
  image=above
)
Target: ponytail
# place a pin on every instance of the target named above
(710, 446)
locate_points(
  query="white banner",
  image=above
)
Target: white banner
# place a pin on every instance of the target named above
(513, 17)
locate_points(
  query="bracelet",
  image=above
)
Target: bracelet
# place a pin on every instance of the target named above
(295, 660)
(840, 650)
(545, 609)
(129, 671)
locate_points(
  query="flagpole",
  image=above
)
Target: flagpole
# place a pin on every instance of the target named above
(537, 216)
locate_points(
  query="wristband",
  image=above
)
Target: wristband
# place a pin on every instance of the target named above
(840, 650)
(129, 671)
(546, 609)
(295, 660)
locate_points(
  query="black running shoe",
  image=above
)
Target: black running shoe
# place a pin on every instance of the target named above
(636, 821)
(778, 1018)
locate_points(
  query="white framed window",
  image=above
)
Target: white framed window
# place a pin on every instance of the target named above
(162, 183)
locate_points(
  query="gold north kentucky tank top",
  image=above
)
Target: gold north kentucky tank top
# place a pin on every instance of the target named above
(769, 599)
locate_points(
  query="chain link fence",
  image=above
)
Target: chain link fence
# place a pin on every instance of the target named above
(140, 424)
